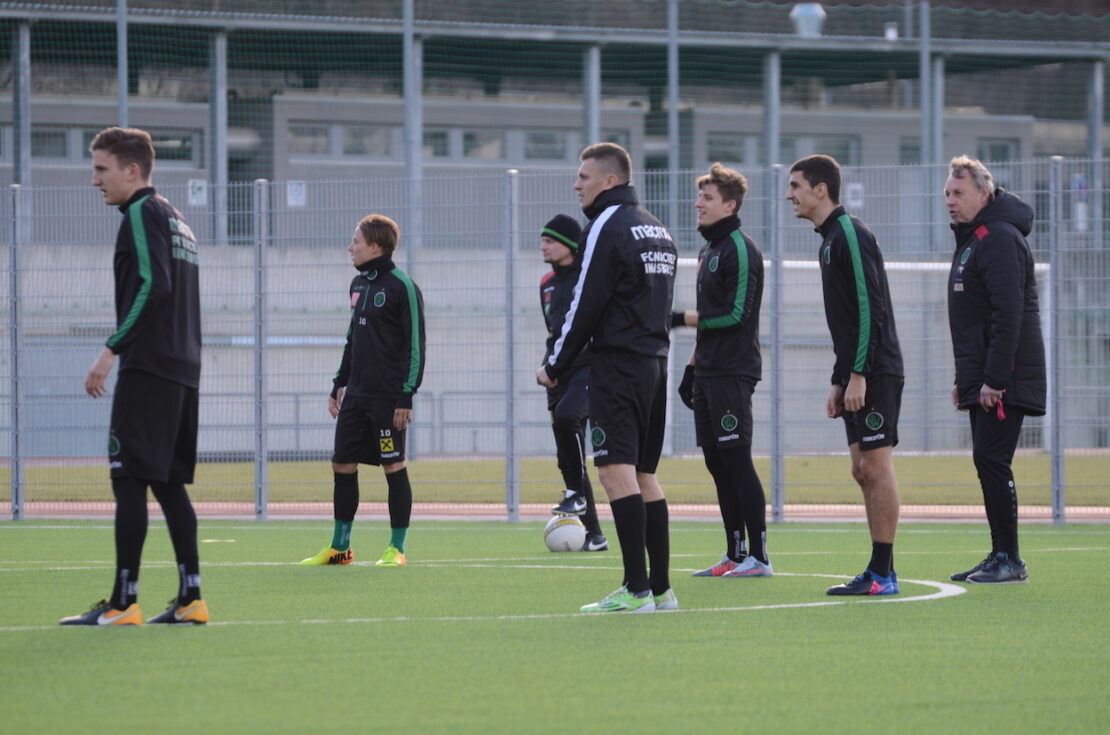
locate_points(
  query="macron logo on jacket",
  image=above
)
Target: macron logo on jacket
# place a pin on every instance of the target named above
(655, 232)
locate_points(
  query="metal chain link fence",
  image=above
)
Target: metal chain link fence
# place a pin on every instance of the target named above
(275, 313)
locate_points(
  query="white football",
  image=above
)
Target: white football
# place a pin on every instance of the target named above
(564, 533)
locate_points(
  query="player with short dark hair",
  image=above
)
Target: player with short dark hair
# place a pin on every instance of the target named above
(724, 368)
(371, 398)
(995, 320)
(153, 436)
(867, 377)
(568, 401)
(622, 308)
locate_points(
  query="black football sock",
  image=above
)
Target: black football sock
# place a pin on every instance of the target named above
(752, 500)
(400, 507)
(737, 547)
(181, 520)
(658, 542)
(345, 504)
(728, 500)
(130, 533)
(882, 558)
(630, 519)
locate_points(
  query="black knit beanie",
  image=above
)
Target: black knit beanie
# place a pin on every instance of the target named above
(565, 229)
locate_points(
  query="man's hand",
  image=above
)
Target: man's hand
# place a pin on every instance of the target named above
(98, 373)
(834, 404)
(542, 379)
(989, 397)
(336, 402)
(686, 387)
(401, 418)
(856, 394)
(955, 396)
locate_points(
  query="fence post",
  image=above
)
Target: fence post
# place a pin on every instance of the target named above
(512, 228)
(261, 213)
(13, 358)
(774, 249)
(1055, 402)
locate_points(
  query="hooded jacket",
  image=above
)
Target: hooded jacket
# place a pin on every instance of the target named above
(556, 293)
(993, 310)
(857, 300)
(622, 300)
(157, 291)
(730, 291)
(384, 354)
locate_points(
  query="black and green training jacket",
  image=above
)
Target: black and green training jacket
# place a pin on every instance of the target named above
(857, 300)
(384, 354)
(730, 290)
(157, 291)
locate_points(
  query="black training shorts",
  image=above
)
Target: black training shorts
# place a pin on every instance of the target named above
(153, 431)
(876, 424)
(628, 406)
(723, 411)
(364, 432)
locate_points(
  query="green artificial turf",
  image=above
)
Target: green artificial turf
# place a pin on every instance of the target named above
(479, 634)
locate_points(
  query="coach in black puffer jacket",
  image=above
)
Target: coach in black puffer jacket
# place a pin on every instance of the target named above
(996, 340)
(993, 310)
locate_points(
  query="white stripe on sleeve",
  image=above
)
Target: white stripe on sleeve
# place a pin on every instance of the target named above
(587, 260)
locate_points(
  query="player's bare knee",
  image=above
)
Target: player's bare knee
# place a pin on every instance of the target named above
(389, 469)
(858, 473)
(864, 471)
(872, 469)
(344, 469)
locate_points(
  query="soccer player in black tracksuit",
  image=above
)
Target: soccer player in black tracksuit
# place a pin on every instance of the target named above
(371, 397)
(568, 401)
(867, 378)
(995, 320)
(724, 368)
(622, 307)
(153, 436)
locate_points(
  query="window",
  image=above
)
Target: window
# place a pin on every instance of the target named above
(546, 144)
(909, 151)
(169, 145)
(49, 143)
(483, 144)
(176, 145)
(309, 140)
(788, 150)
(366, 140)
(437, 144)
(844, 148)
(998, 149)
(620, 137)
(725, 147)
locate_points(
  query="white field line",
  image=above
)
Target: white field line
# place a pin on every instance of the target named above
(943, 590)
(528, 562)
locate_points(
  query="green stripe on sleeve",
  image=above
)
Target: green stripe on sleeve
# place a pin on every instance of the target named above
(862, 297)
(142, 252)
(414, 332)
(737, 313)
